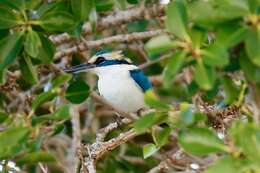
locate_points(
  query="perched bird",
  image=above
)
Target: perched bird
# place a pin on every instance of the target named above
(120, 82)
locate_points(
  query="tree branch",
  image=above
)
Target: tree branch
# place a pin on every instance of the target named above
(86, 45)
(114, 20)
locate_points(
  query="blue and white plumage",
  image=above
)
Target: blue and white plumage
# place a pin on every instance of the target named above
(119, 81)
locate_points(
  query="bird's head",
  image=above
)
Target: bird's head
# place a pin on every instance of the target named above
(102, 61)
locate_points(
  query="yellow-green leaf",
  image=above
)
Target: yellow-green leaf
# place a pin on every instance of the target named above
(32, 43)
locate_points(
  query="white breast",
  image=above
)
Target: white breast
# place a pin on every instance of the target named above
(118, 88)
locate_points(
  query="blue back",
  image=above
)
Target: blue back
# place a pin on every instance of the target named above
(140, 78)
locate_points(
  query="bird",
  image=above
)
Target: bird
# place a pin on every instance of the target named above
(120, 82)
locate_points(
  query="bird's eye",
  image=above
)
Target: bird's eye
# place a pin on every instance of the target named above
(99, 60)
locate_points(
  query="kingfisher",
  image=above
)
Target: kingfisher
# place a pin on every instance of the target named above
(120, 82)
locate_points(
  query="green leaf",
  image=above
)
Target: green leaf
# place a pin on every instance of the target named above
(57, 21)
(46, 51)
(60, 80)
(8, 18)
(3, 117)
(32, 158)
(215, 55)
(200, 141)
(77, 92)
(253, 5)
(28, 70)
(231, 90)
(62, 114)
(250, 70)
(153, 101)
(149, 150)
(177, 20)
(32, 4)
(215, 12)
(158, 44)
(230, 35)
(82, 8)
(198, 37)
(160, 136)
(104, 5)
(13, 4)
(204, 76)
(10, 46)
(32, 43)
(225, 164)
(121, 4)
(173, 66)
(132, 1)
(147, 121)
(2, 76)
(247, 138)
(252, 46)
(58, 129)
(11, 139)
(44, 97)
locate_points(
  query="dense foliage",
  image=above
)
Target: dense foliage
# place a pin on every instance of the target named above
(205, 70)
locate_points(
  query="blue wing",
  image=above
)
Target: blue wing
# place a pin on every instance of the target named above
(140, 78)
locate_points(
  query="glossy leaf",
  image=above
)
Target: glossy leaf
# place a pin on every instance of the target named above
(28, 70)
(61, 114)
(32, 158)
(215, 12)
(13, 4)
(198, 37)
(204, 76)
(149, 150)
(77, 92)
(82, 8)
(46, 51)
(251, 71)
(173, 66)
(231, 35)
(147, 121)
(32, 43)
(177, 20)
(252, 46)
(8, 18)
(10, 46)
(160, 136)
(60, 80)
(133, 1)
(32, 4)
(231, 90)
(200, 141)
(57, 21)
(158, 44)
(215, 55)
(153, 101)
(44, 97)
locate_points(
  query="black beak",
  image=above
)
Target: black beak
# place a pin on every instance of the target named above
(80, 68)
